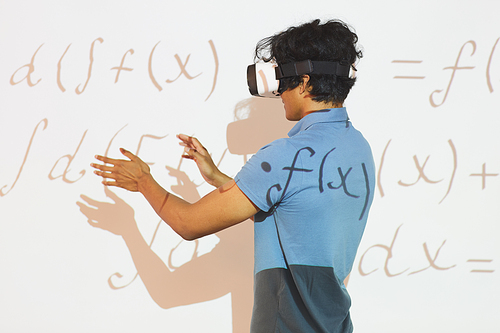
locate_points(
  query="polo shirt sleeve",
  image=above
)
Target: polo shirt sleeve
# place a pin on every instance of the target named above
(261, 178)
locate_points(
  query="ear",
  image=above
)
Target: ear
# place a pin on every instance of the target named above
(304, 84)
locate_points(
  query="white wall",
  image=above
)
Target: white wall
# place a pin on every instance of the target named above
(429, 259)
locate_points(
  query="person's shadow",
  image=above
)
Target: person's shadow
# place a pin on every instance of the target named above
(228, 268)
(259, 121)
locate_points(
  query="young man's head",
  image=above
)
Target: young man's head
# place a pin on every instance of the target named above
(315, 41)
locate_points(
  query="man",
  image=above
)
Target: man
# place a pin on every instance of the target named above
(309, 194)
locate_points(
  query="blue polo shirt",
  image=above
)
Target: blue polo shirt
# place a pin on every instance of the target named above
(314, 190)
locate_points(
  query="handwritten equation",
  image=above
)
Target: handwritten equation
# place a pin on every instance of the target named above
(474, 265)
(421, 176)
(266, 167)
(26, 73)
(420, 166)
(432, 254)
(62, 166)
(64, 162)
(438, 97)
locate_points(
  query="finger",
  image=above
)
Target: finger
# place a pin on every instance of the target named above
(198, 146)
(190, 141)
(103, 174)
(107, 160)
(102, 167)
(128, 154)
(186, 141)
(193, 143)
(184, 138)
(187, 157)
(192, 153)
(182, 144)
(109, 183)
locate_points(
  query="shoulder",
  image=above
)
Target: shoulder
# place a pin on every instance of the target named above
(261, 176)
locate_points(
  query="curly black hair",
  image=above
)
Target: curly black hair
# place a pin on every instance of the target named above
(331, 41)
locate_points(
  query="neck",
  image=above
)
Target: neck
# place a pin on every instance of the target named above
(313, 106)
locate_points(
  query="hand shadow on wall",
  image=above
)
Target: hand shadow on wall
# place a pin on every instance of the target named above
(228, 268)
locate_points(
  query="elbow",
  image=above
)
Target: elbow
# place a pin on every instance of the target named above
(186, 225)
(188, 233)
(189, 236)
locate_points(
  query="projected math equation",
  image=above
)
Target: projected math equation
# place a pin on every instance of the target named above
(27, 72)
(449, 174)
(466, 54)
(474, 265)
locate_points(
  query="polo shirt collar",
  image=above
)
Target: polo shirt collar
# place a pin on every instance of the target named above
(320, 116)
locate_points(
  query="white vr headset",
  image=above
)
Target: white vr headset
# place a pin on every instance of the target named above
(263, 77)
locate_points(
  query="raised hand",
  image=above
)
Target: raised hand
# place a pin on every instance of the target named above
(195, 151)
(126, 174)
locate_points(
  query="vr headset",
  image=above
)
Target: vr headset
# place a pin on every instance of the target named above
(263, 77)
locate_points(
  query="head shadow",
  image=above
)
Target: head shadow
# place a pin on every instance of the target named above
(258, 121)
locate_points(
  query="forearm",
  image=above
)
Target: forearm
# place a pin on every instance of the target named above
(167, 205)
(220, 209)
(220, 179)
